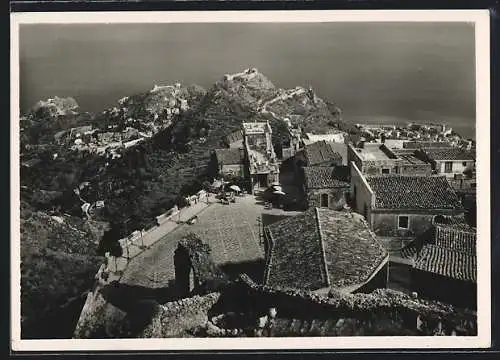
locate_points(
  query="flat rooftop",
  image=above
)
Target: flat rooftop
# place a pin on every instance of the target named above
(372, 152)
(256, 127)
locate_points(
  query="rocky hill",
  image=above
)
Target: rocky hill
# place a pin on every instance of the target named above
(58, 263)
(137, 159)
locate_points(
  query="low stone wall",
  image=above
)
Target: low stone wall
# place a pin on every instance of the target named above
(177, 318)
(388, 303)
(161, 219)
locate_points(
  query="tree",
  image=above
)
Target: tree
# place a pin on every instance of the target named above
(109, 242)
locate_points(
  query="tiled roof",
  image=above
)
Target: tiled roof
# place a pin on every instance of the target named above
(322, 177)
(296, 255)
(399, 152)
(443, 261)
(233, 137)
(320, 152)
(229, 156)
(352, 252)
(411, 159)
(322, 248)
(413, 192)
(458, 237)
(449, 154)
(451, 232)
(425, 144)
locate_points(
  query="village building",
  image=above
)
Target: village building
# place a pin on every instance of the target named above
(234, 139)
(228, 162)
(414, 145)
(378, 159)
(394, 143)
(294, 143)
(451, 162)
(444, 265)
(324, 187)
(336, 136)
(262, 161)
(319, 153)
(402, 205)
(321, 250)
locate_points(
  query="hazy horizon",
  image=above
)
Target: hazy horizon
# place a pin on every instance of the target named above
(375, 72)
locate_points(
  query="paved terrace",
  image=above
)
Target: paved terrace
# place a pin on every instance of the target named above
(232, 231)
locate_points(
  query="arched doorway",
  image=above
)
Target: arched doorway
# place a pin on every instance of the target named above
(324, 200)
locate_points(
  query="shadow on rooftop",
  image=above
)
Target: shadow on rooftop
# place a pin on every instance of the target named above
(254, 269)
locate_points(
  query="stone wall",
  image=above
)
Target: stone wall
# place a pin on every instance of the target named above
(336, 197)
(180, 318)
(361, 193)
(385, 303)
(386, 223)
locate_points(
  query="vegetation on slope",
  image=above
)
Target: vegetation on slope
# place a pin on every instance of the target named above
(145, 181)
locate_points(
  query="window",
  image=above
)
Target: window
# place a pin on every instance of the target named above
(448, 165)
(385, 171)
(403, 222)
(324, 200)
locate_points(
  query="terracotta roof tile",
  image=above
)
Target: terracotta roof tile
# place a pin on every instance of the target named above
(425, 144)
(322, 177)
(413, 192)
(320, 152)
(458, 237)
(296, 256)
(322, 248)
(446, 262)
(352, 252)
(449, 154)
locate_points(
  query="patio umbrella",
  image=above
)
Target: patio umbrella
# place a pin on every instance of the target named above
(235, 188)
(279, 192)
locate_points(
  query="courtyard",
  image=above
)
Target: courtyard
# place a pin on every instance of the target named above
(233, 232)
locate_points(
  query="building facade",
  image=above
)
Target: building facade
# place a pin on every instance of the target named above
(449, 162)
(445, 268)
(229, 163)
(323, 188)
(378, 159)
(402, 205)
(262, 161)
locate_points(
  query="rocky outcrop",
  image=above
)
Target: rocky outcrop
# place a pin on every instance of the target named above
(56, 106)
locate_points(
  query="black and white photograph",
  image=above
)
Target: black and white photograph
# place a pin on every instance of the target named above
(250, 180)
